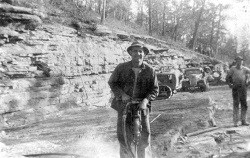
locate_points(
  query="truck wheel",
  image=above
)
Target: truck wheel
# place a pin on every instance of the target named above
(168, 92)
(204, 88)
(185, 86)
(184, 89)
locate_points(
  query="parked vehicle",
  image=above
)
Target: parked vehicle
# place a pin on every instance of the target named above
(195, 78)
(169, 83)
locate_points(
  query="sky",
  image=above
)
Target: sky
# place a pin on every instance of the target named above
(239, 21)
(239, 16)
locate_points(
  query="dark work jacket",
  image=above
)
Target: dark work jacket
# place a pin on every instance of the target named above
(122, 81)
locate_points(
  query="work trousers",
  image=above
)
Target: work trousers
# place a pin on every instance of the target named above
(239, 97)
(125, 151)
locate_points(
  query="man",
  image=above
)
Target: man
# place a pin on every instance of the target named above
(237, 80)
(134, 80)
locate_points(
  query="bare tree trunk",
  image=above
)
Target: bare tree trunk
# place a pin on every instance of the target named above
(173, 27)
(194, 39)
(141, 4)
(176, 29)
(99, 6)
(118, 14)
(163, 20)
(150, 17)
(155, 19)
(90, 5)
(126, 16)
(218, 31)
(196, 26)
(140, 12)
(114, 15)
(212, 34)
(103, 11)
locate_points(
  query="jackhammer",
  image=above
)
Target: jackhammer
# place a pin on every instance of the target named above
(132, 124)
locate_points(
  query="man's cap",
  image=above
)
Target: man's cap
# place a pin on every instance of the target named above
(238, 58)
(137, 44)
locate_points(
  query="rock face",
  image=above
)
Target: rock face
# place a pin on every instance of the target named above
(51, 69)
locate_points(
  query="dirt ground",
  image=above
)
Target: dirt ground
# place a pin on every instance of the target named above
(91, 133)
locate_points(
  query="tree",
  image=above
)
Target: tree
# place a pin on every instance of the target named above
(218, 30)
(177, 17)
(150, 17)
(103, 11)
(140, 12)
(228, 49)
(99, 6)
(163, 19)
(197, 24)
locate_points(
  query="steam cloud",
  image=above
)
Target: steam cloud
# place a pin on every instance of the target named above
(93, 145)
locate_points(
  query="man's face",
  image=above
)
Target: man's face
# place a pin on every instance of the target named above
(137, 54)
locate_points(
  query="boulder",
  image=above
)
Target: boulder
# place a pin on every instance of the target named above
(123, 35)
(10, 36)
(6, 31)
(21, 17)
(6, 8)
(136, 37)
(102, 30)
(7, 1)
(29, 18)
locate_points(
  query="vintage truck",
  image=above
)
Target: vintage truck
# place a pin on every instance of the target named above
(195, 79)
(169, 82)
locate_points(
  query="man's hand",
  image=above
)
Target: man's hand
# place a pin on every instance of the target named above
(143, 104)
(125, 98)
